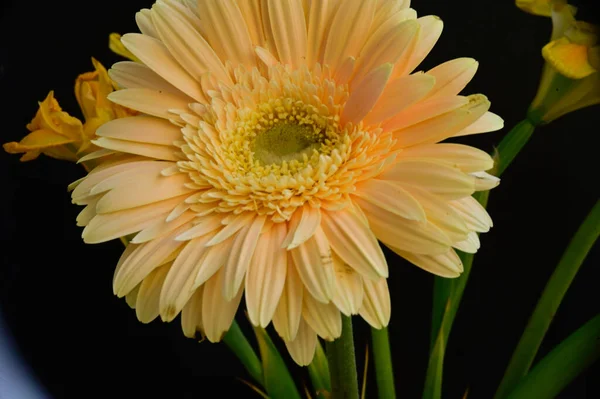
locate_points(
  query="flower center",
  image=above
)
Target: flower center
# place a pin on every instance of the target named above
(286, 142)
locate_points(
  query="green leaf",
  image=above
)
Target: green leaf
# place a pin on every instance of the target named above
(318, 370)
(277, 379)
(448, 293)
(239, 345)
(555, 371)
(433, 380)
(548, 304)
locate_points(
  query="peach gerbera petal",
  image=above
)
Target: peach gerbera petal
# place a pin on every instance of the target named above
(133, 75)
(302, 348)
(264, 284)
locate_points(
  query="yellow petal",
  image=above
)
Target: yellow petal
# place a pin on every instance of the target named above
(570, 59)
(115, 45)
(536, 7)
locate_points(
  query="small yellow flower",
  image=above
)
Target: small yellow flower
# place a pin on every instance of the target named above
(59, 135)
(570, 78)
(53, 132)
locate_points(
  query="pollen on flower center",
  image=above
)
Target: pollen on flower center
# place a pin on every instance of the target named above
(286, 142)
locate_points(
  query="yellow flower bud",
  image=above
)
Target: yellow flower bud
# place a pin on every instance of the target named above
(570, 79)
(53, 132)
(57, 134)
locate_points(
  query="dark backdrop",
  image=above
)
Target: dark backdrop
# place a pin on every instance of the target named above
(81, 341)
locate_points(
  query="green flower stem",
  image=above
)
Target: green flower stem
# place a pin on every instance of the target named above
(507, 150)
(239, 345)
(512, 144)
(448, 293)
(383, 363)
(342, 364)
(454, 288)
(550, 300)
(555, 371)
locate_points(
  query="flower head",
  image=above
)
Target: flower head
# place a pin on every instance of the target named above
(278, 142)
(59, 135)
(570, 79)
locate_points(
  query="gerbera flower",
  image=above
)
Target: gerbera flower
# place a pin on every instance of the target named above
(280, 141)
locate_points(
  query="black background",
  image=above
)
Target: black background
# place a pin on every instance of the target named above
(81, 341)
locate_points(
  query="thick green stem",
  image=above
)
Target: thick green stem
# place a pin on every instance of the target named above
(383, 363)
(237, 342)
(549, 302)
(342, 363)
